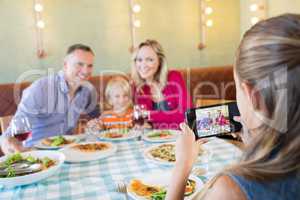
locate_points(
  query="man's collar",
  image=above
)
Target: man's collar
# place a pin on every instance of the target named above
(63, 82)
(64, 87)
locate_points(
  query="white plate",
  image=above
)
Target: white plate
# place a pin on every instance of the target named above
(34, 177)
(148, 156)
(162, 179)
(172, 138)
(40, 144)
(159, 161)
(132, 134)
(75, 155)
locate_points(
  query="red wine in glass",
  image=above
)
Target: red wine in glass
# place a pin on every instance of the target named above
(139, 120)
(139, 115)
(20, 128)
(22, 136)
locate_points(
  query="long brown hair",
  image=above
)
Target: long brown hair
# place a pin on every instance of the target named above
(268, 58)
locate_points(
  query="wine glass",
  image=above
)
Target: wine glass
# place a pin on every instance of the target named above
(92, 130)
(140, 116)
(20, 128)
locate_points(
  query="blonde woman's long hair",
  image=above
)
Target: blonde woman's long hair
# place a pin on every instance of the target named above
(162, 72)
(268, 58)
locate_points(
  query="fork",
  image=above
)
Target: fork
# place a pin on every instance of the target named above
(122, 188)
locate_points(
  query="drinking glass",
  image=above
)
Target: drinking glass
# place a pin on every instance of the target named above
(92, 130)
(20, 128)
(140, 115)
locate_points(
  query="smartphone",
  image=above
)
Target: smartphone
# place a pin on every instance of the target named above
(213, 120)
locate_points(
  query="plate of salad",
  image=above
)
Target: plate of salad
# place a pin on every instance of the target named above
(161, 135)
(57, 142)
(29, 167)
(153, 186)
(118, 134)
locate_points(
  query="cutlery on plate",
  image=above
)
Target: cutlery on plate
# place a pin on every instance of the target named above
(21, 170)
(18, 165)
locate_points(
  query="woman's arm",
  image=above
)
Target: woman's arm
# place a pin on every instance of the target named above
(186, 153)
(180, 174)
(187, 149)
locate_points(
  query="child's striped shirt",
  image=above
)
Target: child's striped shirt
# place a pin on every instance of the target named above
(112, 120)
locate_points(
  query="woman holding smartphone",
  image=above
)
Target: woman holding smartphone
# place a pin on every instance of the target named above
(266, 72)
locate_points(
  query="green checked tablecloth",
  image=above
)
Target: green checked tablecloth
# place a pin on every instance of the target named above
(96, 179)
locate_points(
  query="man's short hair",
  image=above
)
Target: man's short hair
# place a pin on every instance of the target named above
(82, 47)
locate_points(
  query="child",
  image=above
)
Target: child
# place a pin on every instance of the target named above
(119, 102)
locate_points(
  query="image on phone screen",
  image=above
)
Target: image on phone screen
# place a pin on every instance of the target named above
(212, 120)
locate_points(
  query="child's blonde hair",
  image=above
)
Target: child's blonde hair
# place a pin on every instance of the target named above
(117, 82)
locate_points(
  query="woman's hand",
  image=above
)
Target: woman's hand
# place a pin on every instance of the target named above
(187, 148)
(156, 91)
(237, 135)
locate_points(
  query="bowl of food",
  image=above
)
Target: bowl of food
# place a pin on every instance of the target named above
(88, 151)
(153, 186)
(29, 167)
(164, 154)
(163, 135)
(118, 134)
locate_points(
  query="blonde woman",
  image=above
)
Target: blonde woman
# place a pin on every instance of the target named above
(161, 91)
(266, 71)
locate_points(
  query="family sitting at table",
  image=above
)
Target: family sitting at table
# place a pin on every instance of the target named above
(53, 104)
(163, 93)
(266, 73)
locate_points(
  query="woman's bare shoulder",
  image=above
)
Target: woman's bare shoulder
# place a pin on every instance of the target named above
(226, 189)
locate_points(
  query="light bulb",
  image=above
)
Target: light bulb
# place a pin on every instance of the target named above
(254, 20)
(137, 23)
(209, 23)
(40, 24)
(208, 10)
(253, 7)
(38, 7)
(136, 8)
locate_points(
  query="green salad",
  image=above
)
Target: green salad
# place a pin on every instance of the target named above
(57, 141)
(159, 134)
(161, 195)
(123, 130)
(8, 164)
(189, 189)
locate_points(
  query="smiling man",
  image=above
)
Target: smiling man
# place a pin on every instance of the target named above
(54, 103)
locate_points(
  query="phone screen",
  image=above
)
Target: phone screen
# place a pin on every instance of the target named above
(212, 121)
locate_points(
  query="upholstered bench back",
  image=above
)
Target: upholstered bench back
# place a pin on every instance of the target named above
(202, 83)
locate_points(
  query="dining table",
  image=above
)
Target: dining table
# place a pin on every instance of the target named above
(98, 179)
